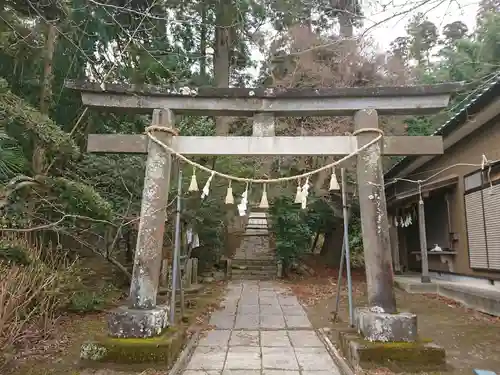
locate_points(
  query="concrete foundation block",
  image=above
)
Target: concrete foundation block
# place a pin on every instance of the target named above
(379, 326)
(397, 356)
(410, 286)
(125, 322)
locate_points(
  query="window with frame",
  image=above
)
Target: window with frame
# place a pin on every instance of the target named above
(482, 212)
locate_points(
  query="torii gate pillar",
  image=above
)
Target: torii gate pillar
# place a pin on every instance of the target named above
(374, 221)
(143, 318)
(380, 321)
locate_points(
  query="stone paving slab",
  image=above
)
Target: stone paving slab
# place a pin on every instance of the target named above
(243, 358)
(297, 321)
(208, 358)
(245, 338)
(315, 359)
(215, 338)
(304, 339)
(260, 330)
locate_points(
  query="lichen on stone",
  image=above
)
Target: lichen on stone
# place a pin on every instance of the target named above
(92, 351)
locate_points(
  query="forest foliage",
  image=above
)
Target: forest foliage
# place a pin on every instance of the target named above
(49, 182)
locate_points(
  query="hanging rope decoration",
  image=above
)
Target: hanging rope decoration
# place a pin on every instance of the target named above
(151, 129)
(242, 207)
(229, 194)
(206, 188)
(298, 195)
(263, 201)
(334, 184)
(193, 186)
(302, 191)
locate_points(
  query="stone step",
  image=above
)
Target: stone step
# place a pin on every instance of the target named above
(253, 277)
(253, 267)
(255, 271)
(259, 215)
(256, 232)
(262, 261)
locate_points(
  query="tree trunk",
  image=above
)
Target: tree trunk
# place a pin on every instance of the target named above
(345, 18)
(332, 245)
(222, 58)
(315, 242)
(38, 159)
(222, 69)
(203, 44)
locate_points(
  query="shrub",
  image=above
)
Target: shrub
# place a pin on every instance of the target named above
(32, 294)
(14, 253)
(86, 301)
(289, 225)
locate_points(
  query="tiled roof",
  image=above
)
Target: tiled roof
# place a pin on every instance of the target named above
(474, 103)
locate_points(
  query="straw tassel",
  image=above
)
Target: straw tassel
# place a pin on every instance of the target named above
(304, 193)
(193, 186)
(229, 194)
(334, 185)
(206, 188)
(263, 201)
(298, 198)
(242, 207)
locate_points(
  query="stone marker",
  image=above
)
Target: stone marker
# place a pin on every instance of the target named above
(195, 271)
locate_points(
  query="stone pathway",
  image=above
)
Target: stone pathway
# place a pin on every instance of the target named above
(262, 330)
(255, 242)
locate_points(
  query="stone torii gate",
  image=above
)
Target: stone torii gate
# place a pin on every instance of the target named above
(144, 318)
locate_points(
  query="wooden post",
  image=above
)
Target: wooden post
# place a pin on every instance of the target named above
(182, 303)
(229, 269)
(374, 221)
(188, 273)
(164, 273)
(393, 234)
(148, 253)
(423, 242)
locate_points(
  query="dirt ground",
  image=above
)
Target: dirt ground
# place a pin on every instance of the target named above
(60, 354)
(471, 339)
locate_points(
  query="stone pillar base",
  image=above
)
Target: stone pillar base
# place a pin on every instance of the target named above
(125, 322)
(374, 325)
(140, 353)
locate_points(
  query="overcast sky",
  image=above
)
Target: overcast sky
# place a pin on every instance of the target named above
(438, 11)
(385, 20)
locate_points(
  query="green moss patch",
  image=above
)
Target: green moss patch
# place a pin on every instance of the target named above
(422, 355)
(162, 349)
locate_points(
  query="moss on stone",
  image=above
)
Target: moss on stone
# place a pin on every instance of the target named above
(421, 355)
(161, 349)
(415, 352)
